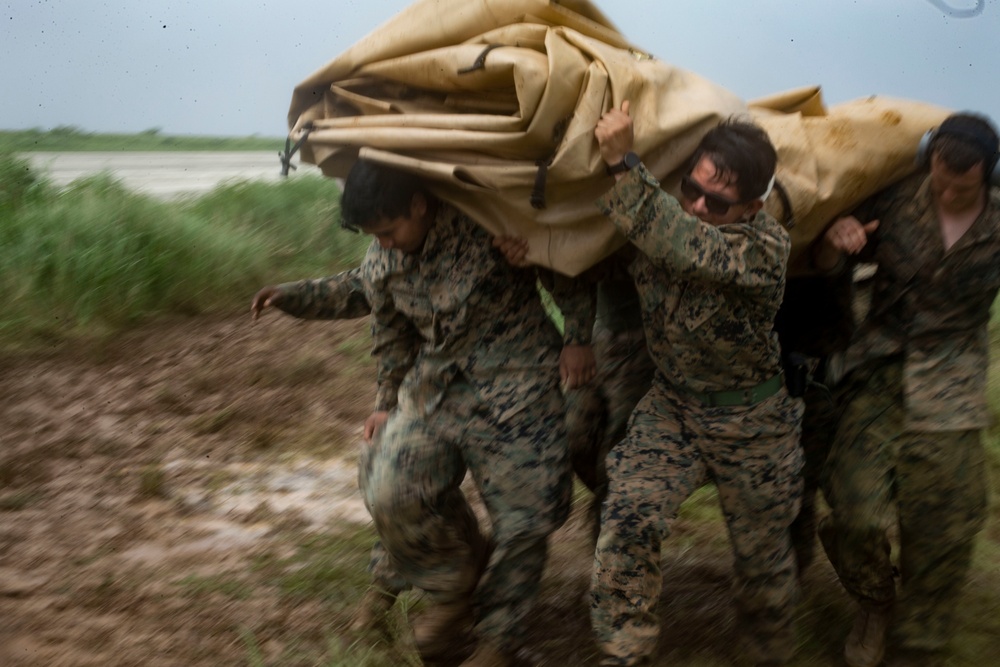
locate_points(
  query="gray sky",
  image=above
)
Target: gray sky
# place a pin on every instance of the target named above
(228, 67)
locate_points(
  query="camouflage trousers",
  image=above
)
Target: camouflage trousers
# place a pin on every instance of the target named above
(673, 447)
(819, 424)
(410, 479)
(597, 413)
(931, 485)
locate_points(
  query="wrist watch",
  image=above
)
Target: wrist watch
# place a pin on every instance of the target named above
(628, 163)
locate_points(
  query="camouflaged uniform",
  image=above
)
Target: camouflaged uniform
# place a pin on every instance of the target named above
(816, 321)
(468, 367)
(709, 296)
(909, 437)
(597, 413)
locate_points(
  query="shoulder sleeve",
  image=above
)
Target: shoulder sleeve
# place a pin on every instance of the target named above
(395, 339)
(338, 297)
(576, 300)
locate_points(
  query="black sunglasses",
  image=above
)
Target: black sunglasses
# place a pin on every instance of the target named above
(715, 204)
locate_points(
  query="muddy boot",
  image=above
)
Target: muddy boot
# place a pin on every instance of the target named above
(371, 615)
(488, 655)
(444, 630)
(865, 645)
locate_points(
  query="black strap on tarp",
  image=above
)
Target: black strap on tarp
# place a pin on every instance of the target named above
(290, 150)
(541, 176)
(786, 204)
(480, 61)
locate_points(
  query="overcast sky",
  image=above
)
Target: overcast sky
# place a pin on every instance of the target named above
(228, 67)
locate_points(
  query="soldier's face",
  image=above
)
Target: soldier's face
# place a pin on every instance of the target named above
(405, 233)
(710, 197)
(954, 192)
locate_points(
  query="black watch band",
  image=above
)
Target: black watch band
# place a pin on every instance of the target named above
(628, 163)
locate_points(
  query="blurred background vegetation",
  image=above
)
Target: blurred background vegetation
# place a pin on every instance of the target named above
(69, 138)
(94, 257)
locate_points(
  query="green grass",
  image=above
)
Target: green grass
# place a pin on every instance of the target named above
(69, 138)
(331, 568)
(96, 257)
(324, 566)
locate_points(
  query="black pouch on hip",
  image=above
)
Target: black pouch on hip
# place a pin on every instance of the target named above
(796, 374)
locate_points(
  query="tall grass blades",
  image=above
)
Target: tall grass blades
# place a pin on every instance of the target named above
(297, 222)
(19, 184)
(97, 257)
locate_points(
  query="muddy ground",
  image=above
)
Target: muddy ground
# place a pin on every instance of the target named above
(185, 494)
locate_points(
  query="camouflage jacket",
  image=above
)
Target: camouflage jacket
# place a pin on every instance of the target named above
(454, 309)
(931, 305)
(708, 294)
(618, 306)
(603, 297)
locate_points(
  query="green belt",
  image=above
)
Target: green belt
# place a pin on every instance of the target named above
(749, 396)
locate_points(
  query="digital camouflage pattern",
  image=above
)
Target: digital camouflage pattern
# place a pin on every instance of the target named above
(709, 296)
(597, 413)
(455, 308)
(426, 524)
(468, 364)
(930, 305)
(674, 446)
(931, 484)
(907, 451)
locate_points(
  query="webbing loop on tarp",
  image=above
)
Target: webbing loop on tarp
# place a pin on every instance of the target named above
(480, 61)
(290, 150)
(541, 176)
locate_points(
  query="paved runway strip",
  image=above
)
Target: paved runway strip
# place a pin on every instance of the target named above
(165, 174)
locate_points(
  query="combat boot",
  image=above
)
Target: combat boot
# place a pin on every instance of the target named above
(444, 629)
(372, 612)
(488, 655)
(865, 645)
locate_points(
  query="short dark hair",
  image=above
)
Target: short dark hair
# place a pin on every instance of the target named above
(743, 155)
(374, 191)
(964, 140)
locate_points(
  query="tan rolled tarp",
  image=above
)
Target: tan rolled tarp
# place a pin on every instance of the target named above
(831, 160)
(495, 103)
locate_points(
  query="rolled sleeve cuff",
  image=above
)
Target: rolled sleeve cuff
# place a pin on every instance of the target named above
(575, 334)
(386, 398)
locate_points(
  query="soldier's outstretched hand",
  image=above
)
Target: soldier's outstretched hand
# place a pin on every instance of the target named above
(265, 298)
(848, 235)
(577, 365)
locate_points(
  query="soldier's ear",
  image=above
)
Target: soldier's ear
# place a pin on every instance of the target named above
(418, 206)
(753, 207)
